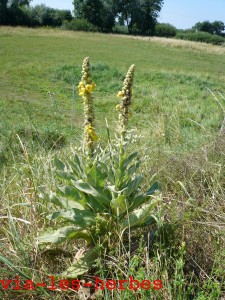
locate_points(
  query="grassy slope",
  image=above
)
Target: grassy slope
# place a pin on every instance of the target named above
(169, 79)
(177, 119)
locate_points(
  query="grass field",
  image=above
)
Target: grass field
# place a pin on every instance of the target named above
(177, 112)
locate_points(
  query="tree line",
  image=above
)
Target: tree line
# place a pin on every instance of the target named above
(140, 16)
(118, 16)
(19, 12)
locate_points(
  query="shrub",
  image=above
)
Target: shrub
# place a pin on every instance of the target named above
(165, 30)
(79, 25)
(201, 37)
(120, 29)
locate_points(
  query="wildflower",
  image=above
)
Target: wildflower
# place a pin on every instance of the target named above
(91, 132)
(118, 107)
(125, 95)
(120, 94)
(82, 91)
(86, 87)
(89, 87)
(81, 84)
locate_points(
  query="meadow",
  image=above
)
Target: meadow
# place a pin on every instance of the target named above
(178, 111)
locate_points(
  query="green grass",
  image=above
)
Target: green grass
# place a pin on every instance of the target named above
(178, 123)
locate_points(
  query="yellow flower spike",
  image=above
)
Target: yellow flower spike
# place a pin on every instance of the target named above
(120, 94)
(86, 87)
(125, 94)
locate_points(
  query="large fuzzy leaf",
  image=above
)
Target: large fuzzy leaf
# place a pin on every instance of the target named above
(140, 216)
(129, 159)
(154, 187)
(98, 194)
(66, 175)
(138, 201)
(96, 176)
(59, 164)
(82, 218)
(133, 185)
(67, 204)
(118, 205)
(60, 235)
(81, 265)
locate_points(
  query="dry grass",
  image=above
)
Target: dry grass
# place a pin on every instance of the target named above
(165, 42)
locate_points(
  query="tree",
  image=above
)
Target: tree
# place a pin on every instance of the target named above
(216, 27)
(13, 12)
(139, 15)
(3, 11)
(165, 30)
(41, 15)
(100, 13)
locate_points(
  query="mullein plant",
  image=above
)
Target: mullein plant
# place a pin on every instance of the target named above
(100, 198)
(86, 87)
(124, 106)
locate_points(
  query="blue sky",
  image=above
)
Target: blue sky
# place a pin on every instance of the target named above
(181, 13)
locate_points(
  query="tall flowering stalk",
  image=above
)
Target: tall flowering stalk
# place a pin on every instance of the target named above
(124, 107)
(86, 87)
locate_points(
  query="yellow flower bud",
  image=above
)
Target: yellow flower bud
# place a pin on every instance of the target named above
(120, 94)
(81, 84)
(118, 106)
(81, 91)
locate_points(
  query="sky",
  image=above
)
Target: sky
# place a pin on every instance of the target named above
(183, 14)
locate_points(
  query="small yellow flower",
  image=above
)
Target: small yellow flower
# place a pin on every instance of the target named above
(82, 91)
(89, 88)
(92, 133)
(120, 94)
(118, 107)
(81, 84)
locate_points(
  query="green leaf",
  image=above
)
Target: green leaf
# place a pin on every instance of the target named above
(118, 205)
(66, 175)
(82, 218)
(96, 193)
(154, 187)
(108, 169)
(133, 168)
(59, 164)
(67, 204)
(96, 176)
(129, 159)
(94, 204)
(62, 234)
(69, 192)
(138, 201)
(133, 185)
(76, 169)
(78, 161)
(139, 216)
(81, 265)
